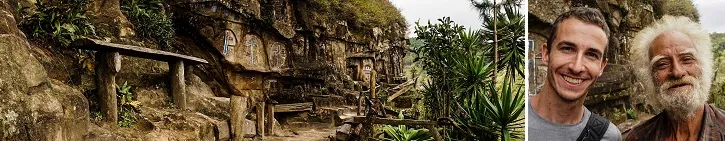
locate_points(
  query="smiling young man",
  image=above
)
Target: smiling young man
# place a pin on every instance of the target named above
(574, 55)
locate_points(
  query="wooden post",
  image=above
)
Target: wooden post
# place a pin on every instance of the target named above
(109, 63)
(367, 124)
(372, 83)
(360, 98)
(270, 118)
(260, 119)
(238, 113)
(434, 130)
(178, 86)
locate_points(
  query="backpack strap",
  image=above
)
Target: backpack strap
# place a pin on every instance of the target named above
(595, 128)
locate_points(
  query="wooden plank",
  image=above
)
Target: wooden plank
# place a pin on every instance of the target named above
(260, 119)
(296, 107)
(108, 65)
(360, 98)
(135, 51)
(269, 129)
(372, 83)
(239, 111)
(178, 86)
(249, 136)
(400, 92)
(386, 121)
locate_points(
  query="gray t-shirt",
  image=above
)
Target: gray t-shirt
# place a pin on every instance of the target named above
(543, 130)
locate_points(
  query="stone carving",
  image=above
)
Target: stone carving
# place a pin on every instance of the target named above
(366, 73)
(230, 39)
(277, 56)
(252, 42)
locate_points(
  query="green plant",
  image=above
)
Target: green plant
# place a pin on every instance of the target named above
(359, 13)
(62, 21)
(150, 21)
(440, 43)
(631, 113)
(127, 112)
(470, 74)
(97, 115)
(126, 117)
(403, 133)
(170, 104)
(511, 26)
(493, 111)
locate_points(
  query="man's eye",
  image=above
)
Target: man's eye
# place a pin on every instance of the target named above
(591, 54)
(688, 60)
(660, 66)
(567, 49)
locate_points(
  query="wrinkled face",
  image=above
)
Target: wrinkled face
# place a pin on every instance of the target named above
(575, 59)
(676, 73)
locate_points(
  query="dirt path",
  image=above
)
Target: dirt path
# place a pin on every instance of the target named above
(313, 132)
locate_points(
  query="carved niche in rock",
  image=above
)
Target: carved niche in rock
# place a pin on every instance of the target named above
(277, 55)
(366, 69)
(229, 39)
(251, 43)
(250, 54)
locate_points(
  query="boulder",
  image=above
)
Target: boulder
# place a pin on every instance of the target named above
(32, 106)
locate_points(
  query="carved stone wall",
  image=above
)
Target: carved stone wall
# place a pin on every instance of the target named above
(286, 46)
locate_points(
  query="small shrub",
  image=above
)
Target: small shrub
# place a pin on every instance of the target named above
(62, 21)
(149, 20)
(127, 107)
(97, 115)
(403, 133)
(631, 113)
(170, 104)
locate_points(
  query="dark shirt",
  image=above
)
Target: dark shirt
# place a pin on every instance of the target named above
(658, 128)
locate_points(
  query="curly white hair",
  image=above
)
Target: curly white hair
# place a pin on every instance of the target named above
(639, 53)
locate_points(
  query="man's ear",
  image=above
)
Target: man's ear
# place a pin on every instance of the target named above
(544, 54)
(604, 64)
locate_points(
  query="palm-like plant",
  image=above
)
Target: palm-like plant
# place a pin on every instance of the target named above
(505, 109)
(484, 111)
(511, 40)
(470, 75)
(403, 133)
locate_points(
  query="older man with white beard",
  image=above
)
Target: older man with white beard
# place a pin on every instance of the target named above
(674, 61)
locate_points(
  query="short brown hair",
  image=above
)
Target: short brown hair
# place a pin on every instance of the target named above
(584, 14)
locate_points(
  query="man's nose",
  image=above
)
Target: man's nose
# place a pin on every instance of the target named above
(578, 65)
(677, 71)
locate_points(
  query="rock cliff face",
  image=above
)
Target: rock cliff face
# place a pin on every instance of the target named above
(615, 90)
(271, 50)
(276, 47)
(33, 106)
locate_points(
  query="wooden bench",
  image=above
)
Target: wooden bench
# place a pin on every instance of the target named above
(294, 107)
(108, 64)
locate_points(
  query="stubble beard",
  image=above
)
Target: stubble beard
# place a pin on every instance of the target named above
(559, 93)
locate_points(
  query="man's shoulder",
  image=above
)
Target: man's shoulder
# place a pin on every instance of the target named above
(717, 109)
(646, 129)
(717, 114)
(612, 134)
